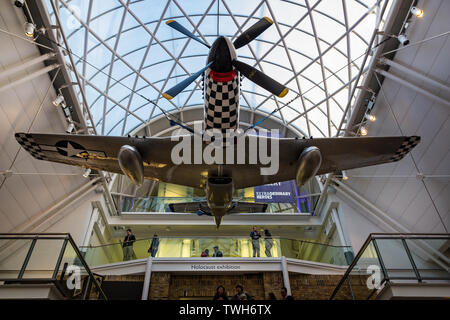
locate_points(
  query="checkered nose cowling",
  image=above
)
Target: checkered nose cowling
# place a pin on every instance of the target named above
(408, 144)
(27, 142)
(221, 103)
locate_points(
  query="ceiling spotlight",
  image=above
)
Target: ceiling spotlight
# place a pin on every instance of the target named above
(417, 12)
(87, 173)
(403, 39)
(363, 131)
(19, 3)
(371, 117)
(70, 128)
(59, 99)
(29, 29)
(344, 175)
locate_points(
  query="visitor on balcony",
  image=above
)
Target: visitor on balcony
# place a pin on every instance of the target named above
(154, 246)
(268, 242)
(217, 252)
(255, 235)
(221, 294)
(205, 253)
(128, 252)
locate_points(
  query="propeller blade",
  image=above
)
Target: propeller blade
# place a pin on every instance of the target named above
(183, 30)
(261, 79)
(172, 92)
(251, 33)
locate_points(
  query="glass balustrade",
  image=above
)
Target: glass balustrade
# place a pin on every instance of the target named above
(385, 257)
(48, 258)
(190, 247)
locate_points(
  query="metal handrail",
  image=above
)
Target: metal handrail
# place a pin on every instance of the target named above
(393, 236)
(49, 236)
(213, 237)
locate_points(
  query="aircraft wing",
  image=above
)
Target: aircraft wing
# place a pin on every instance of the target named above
(100, 153)
(337, 154)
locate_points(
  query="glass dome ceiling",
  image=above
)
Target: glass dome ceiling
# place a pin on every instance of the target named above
(315, 48)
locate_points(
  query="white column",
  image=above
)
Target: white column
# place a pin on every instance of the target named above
(90, 227)
(285, 271)
(148, 275)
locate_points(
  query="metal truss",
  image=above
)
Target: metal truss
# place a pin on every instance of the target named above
(322, 100)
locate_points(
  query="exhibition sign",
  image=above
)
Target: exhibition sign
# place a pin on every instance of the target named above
(279, 192)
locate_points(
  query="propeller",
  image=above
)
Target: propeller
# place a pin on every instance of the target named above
(186, 32)
(261, 79)
(251, 33)
(172, 92)
(248, 71)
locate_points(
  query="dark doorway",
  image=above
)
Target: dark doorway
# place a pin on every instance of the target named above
(123, 290)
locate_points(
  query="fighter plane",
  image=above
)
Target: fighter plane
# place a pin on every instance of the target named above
(151, 157)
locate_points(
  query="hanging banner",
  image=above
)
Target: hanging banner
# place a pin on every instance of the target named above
(280, 192)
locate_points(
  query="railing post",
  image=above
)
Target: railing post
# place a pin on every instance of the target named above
(60, 257)
(380, 259)
(350, 287)
(27, 258)
(411, 260)
(88, 287)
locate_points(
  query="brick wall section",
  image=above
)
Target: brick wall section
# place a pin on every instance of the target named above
(165, 286)
(320, 287)
(159, 286)
(273, 282)
(137, 278)
(204, 286)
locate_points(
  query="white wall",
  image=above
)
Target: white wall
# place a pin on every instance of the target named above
(393, 187)
(356, 222)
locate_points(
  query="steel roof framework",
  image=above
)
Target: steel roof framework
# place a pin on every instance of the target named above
(322, 97)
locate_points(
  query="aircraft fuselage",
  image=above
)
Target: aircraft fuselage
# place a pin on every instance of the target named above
(221, 87)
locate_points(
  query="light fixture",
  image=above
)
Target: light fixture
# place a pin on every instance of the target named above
(87, 173)
(403, 39)
(19, 3)
(70, 127)
(417, 12)
(344, 175)
(371, 117)
(363, 131)
(59, 99)
(29, 29)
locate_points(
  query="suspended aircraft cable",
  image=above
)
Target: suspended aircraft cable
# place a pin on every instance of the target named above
(177, 120)
(410, 153)
(284, 104)
(31, 124)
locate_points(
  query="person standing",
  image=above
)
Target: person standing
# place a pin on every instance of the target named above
(217, 252)
(154, 246)
(255, 235)
(128, 252)
(268, 242)
(205, 253)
